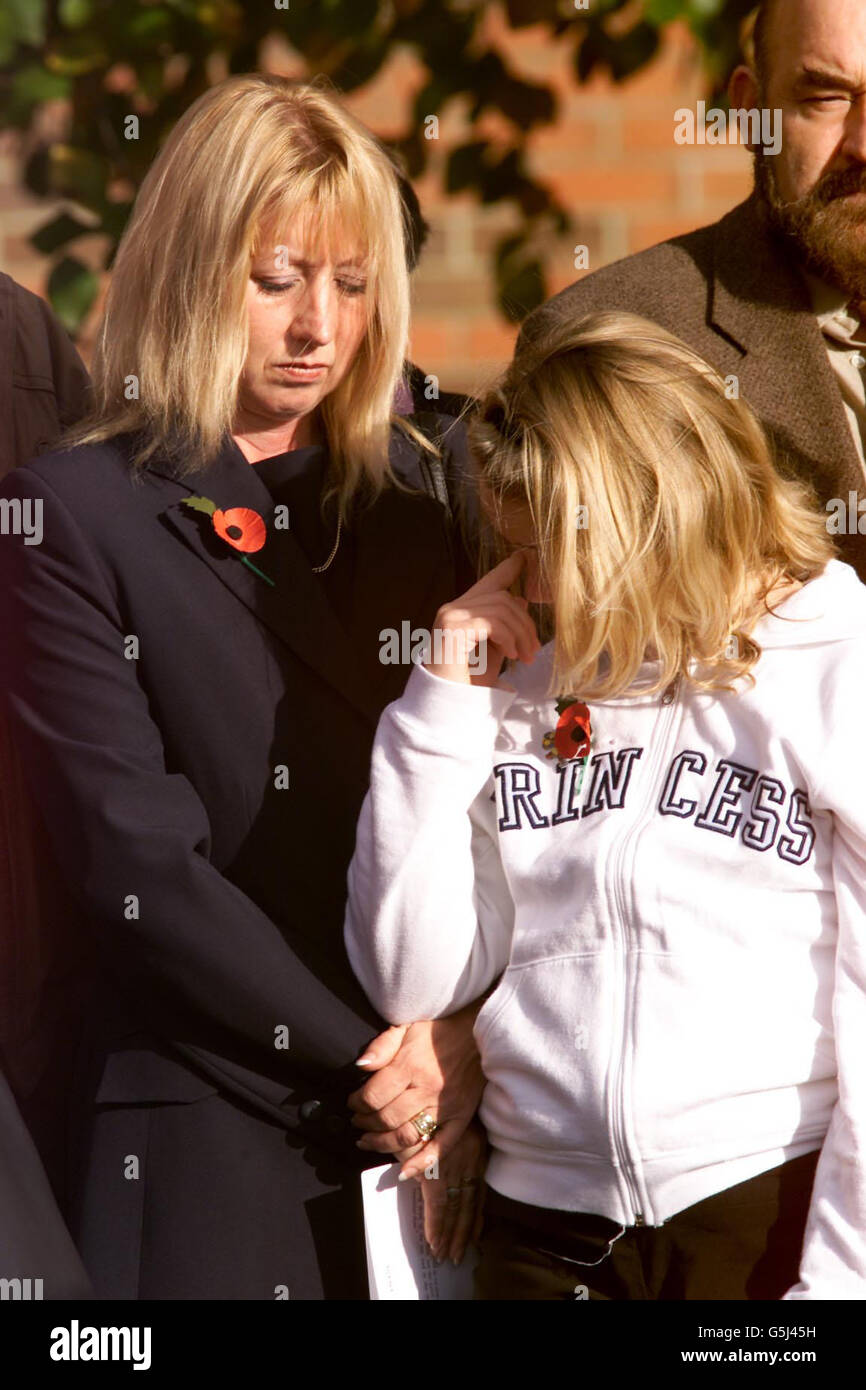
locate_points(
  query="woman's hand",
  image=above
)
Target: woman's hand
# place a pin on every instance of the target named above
(432, 1066)
(454, 1196)
(486, 621)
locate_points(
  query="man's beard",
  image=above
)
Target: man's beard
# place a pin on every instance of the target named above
(826, 230)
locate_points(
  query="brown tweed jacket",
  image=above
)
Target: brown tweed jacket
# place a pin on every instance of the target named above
(731, 292)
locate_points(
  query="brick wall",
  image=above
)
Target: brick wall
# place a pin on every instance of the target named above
(611, 159)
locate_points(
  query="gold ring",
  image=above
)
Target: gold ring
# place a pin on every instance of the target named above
(425, 1125)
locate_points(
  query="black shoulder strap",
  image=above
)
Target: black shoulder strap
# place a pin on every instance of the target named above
(432, 470)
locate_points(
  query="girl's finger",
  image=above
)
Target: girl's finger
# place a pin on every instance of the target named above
(523, 626)
(495, 619)
(502, 576)
(384, 1048)
(474, 615)
(513, 631)
(500, 601)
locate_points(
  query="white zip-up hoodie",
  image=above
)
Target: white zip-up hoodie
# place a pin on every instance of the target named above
(681, 941)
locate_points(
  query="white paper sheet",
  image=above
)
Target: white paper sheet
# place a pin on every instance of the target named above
(399, 1263)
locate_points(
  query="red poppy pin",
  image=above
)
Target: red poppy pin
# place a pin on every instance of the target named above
(572, 737)
(240, 527)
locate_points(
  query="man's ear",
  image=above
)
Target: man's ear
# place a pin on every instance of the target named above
(743, 90)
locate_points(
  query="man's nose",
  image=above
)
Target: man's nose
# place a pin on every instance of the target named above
(854, 143)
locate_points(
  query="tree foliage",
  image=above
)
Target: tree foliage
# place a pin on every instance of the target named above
(110, 58)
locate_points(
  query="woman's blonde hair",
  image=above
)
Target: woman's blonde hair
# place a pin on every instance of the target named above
(661, 522)
(250, 155)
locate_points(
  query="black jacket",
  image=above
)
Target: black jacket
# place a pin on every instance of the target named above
(37, 1256)
(163, 694)
(44, 385)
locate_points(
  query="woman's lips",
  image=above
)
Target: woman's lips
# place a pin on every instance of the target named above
(300, 372)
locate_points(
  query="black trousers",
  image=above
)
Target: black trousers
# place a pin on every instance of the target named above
(740, 1244)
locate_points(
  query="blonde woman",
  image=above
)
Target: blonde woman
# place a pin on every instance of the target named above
(648, 835)
(191, 659)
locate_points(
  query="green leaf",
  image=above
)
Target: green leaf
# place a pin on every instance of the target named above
(520, 279)
(633, 50)
(200, 504)
(151, 78)
(74, 14)
(30, 87)
(665, 11)
(524, 103)
(622, 55)
(76, 173)
(23, 21)
(524, 12)
(72, 290)
(149, 27)
(56, 233)
(341, 19)
(74, 55)
(708, 9)
(466, 167)
(114, 217)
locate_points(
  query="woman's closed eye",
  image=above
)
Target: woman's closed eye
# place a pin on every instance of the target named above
(348, 287)
(352, 286)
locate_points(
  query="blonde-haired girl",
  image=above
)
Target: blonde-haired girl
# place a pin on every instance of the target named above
(649, 839)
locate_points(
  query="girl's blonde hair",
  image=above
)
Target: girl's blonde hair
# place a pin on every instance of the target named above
(249, 156)
(661, 522)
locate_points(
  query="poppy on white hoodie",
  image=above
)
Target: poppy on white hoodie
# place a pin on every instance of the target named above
(677, 923)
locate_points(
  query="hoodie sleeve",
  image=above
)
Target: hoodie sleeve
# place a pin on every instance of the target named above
(430, 915)
(833, 1263)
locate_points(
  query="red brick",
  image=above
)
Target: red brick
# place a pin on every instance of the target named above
(492, 339)
(435, 339)
(614, 187)
(728, 186)
(649, 133)
(643, 234)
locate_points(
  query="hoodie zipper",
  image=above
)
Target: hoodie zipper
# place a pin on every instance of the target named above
(661, 739)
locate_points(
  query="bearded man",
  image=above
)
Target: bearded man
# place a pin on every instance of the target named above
(774, 295)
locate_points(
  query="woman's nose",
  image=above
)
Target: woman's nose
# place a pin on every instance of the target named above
(314, 320)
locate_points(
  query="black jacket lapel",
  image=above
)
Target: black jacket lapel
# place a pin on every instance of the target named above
(295, 608)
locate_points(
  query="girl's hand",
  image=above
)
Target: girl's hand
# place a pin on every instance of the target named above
(474, 635)
(454, 1196)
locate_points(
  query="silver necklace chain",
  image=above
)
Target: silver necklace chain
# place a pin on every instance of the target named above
(320, 569)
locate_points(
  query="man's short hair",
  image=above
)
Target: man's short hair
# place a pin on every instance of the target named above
(761, 39)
